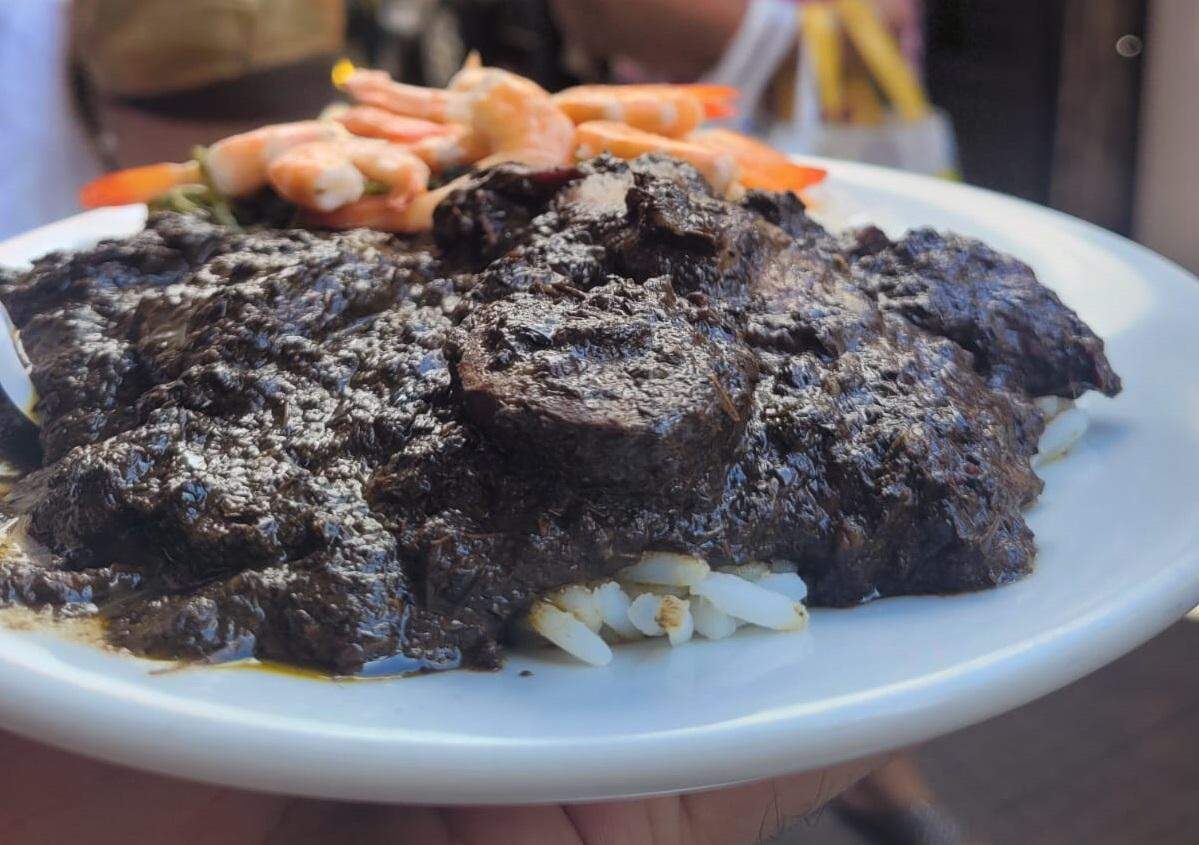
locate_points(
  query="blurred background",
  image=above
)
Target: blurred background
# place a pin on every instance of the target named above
(1083, 105)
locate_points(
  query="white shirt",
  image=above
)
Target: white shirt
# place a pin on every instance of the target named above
(44, 153)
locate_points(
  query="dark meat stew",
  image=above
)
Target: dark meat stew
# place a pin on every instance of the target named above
(352, 450)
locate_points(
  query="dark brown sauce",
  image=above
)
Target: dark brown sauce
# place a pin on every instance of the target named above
(369, 456)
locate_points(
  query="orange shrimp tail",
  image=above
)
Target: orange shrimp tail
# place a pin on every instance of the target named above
(780, 176)
(378, 213)
(719, 111)
(369, 212)
(382, 213)
(375, 122)
(138, 184)
(719, 101)
(720, 168)
(762, 166)
(366, 213)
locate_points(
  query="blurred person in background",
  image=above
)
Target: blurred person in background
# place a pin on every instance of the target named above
(123, 82)
(103, 84)
(38, 116)
(156, 77)
(681, 40)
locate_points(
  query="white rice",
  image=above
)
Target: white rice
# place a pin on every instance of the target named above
(564, 630)
(751, 602)
(1065, 426)
(657, 615)
(711, 622)
(582, 602)
(670, 595)
(634, 589)
(643, 613)
(752, 571)
(666, 568)
(614, 604)
(787, 583)
(674, 615)
(1051, 406)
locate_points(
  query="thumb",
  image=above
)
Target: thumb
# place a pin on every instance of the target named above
(739, 815)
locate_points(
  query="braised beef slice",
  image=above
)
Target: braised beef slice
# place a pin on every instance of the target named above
(788, 212)
(362, 453)
(620, 385)
(1020, 333)
(491, 213)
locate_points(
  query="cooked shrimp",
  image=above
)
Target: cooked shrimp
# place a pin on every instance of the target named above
(316, 175)
(139, 184)
(473, 73)
(378, 213)
(672, 110)
(762, 166)
(458, 148)
(390, 164)
(326, 175)
(374, 122)
(516, 118)
(237, 165)
(623, 141)
(507, 115)
(376, 88)
(512, 117)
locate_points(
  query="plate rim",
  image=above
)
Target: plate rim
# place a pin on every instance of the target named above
(294, 756)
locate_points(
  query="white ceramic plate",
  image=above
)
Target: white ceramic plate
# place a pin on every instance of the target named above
(1118, 529)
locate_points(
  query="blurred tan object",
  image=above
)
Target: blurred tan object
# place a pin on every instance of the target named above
(863, 105)
(880, 51)
(821, 30)
(857, 95)
(142, 48)
(1168, 191)
(764, 39)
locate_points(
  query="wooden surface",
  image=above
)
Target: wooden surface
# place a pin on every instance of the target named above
(1168, 178)
(1110, 760)
(1094, 151)
(994, 67)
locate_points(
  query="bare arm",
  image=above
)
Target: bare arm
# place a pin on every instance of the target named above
(50, 796)
(679, 39)
(682, 39)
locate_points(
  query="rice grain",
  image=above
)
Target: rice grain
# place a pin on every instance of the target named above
(569, 634)
(667, 569)
(756, 605)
